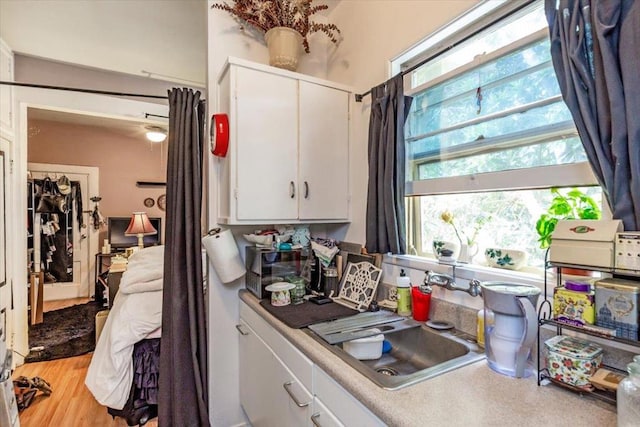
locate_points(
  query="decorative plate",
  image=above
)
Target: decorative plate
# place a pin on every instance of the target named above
(280, 286)
(149, 202)
(162, 202)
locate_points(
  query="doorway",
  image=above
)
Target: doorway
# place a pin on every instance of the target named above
(64, 245)
(94, 110)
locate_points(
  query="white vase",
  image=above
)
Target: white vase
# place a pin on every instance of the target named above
(285, 47)
(467, 253)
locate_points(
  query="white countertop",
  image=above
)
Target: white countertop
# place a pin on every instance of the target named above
(473, 395)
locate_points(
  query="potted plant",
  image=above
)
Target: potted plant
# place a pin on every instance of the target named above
(573, 205)
(285, 25)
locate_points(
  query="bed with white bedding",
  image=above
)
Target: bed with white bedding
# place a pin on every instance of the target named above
(136, 315)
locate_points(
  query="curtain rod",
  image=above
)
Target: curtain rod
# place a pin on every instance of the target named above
(73, 89)
(445, 49)
(147, 115)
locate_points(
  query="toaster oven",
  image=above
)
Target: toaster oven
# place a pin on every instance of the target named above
(267, 266)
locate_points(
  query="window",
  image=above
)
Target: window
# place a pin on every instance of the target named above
(488, 135)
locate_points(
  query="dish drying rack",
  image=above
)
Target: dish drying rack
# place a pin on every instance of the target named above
(358, 285)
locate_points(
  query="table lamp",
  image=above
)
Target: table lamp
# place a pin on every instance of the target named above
(140, 226)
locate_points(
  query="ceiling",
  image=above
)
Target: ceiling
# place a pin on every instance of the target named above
(166, 38)
(133, 128)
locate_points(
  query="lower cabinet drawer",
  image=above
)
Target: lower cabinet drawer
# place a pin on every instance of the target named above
(322, 416)
(299, 364)
(346, 409)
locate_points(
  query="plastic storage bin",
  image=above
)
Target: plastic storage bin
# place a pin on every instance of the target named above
(369, 348)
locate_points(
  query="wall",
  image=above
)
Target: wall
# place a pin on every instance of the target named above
(374, 32)
(41, 71)
(382, 30)
(226, 40)
(122, 161)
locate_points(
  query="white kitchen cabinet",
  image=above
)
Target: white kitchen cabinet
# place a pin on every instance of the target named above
(6, 91)
(288, 158)
(270, 394)
(322, 416)
(324, 152)
(268, 361)
(342, 405)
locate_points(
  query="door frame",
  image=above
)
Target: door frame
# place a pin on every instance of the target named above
(51, 291)
(79, 103)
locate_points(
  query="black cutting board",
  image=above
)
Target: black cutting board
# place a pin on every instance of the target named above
(300, 315)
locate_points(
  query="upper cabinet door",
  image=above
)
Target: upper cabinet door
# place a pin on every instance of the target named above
(267, 137)
(6, 91)
(324, 153)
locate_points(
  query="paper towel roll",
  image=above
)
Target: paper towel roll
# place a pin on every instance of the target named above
(224, 255)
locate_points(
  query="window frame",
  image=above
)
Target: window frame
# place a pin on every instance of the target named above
(466, 27)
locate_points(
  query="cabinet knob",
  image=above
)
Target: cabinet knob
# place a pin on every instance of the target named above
(292, 187)
(306, 190)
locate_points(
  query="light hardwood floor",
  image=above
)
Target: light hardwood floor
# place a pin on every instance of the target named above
(71, 404)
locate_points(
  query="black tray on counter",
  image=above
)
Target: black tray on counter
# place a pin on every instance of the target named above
(301, 315)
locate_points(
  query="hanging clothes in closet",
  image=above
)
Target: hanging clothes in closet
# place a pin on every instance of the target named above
(56, 226)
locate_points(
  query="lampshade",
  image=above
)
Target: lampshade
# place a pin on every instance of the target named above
(155, 134)
(140, 226)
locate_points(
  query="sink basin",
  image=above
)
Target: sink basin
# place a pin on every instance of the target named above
(417, 354)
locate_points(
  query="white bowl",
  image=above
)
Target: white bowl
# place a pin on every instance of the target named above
(510, 259)
(440, 245)
(263, 241)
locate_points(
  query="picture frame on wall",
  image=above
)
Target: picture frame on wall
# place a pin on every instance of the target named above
(162, 202)
(3, 221)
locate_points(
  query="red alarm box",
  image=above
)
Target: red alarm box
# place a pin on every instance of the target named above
(219, 134)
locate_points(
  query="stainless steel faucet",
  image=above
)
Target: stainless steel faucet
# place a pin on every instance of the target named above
(448, 282)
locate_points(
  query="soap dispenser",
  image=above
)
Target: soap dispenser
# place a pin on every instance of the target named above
(403, 287)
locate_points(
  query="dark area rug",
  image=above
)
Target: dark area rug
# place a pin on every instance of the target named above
(66, 332)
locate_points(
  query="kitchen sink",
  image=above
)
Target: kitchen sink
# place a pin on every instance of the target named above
(417, 353)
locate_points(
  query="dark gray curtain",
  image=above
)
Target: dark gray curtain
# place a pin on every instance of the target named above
(595, 48)
(183, 394)
(385, 197)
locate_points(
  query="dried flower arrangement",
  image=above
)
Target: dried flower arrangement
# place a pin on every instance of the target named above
(264, 15)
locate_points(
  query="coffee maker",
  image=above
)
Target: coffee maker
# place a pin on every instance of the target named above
(323, 280)
(511, 326)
